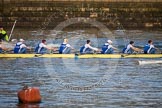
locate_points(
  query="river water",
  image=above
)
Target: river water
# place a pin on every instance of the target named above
(88, 83)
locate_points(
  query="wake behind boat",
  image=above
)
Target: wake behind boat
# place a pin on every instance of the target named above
(146, 62)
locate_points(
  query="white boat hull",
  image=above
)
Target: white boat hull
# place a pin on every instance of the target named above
(142, 62)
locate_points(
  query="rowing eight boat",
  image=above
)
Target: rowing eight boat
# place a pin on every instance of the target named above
(81, 56)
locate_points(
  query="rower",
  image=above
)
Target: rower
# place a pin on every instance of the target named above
(87, 48)
(3, 34)
(107, 48)
(149, 48)
(20, 47)
(129, 49)
(2, 48)
(65, 48)
(42, 47)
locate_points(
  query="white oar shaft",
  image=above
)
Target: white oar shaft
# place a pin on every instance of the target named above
(12, 30)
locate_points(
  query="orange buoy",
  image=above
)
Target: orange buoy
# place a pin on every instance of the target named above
(29, 95)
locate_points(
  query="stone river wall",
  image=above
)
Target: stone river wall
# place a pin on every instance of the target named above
(130, 14)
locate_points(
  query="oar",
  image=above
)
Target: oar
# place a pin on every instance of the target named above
(125, 55)
(38, 55)
(12, 30)
(75, 51)
(159, 50)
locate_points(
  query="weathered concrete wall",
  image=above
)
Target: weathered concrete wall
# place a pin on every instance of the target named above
(36, 13)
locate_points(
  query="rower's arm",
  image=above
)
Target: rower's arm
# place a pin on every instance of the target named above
(156, 48)
(96, 49)
(71, 47)
(49, 48)
(68, 45)
(115, 48)
(136, 49)
(29, 48)
(24, 46)
(3, 47)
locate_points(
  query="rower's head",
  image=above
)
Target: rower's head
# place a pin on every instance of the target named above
(150, 42)
(21, 40)
(88, 42)
(44, 41)
(109, 41)
(65, 40)
(131, 42)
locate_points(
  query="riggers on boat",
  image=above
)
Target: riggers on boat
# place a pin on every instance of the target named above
(115, 56)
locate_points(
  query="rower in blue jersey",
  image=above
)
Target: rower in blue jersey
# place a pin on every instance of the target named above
(20, 47)
(129, 49)
(87, 48)
(42, 48)
(65, 48)
(107, 48)
(149, 48)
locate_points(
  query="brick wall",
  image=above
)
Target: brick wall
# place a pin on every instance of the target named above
(35, 13)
